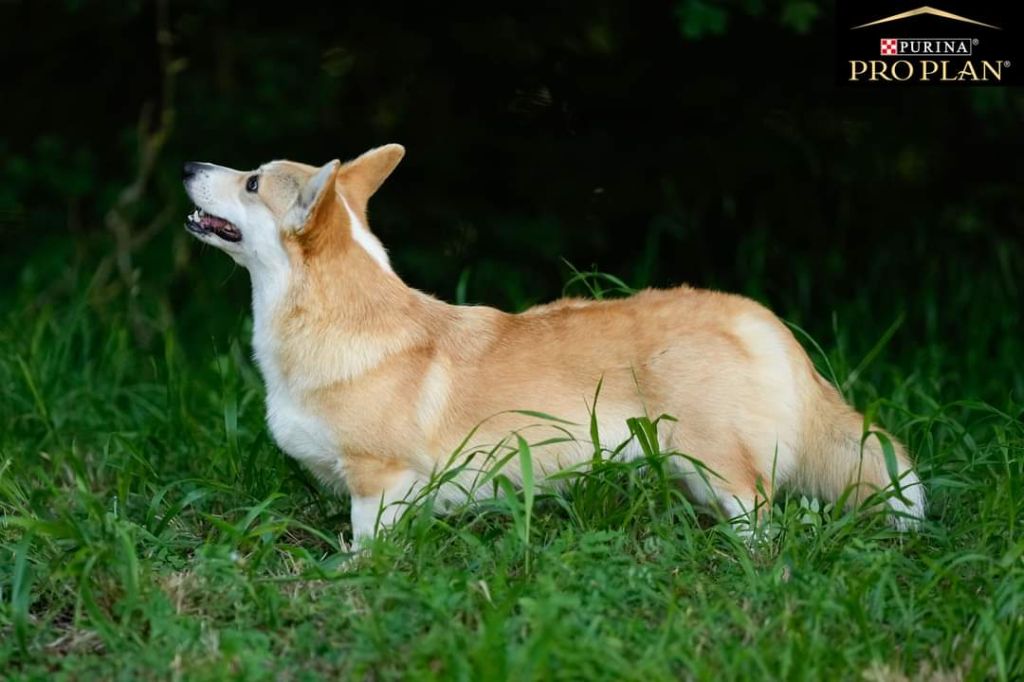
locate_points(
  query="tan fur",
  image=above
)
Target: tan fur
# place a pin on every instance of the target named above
(400, 378)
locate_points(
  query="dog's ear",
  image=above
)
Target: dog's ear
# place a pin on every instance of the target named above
(317, 191)
(361, 177)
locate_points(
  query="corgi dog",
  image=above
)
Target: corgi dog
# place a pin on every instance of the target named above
(376, 387)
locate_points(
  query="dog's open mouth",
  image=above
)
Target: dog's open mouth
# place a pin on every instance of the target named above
(200, 222)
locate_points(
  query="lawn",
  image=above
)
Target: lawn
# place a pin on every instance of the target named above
(151, 529)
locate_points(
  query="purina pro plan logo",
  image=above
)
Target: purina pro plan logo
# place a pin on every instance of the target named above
(960, 43)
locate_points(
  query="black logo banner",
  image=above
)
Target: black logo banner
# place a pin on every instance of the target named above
(949, 43)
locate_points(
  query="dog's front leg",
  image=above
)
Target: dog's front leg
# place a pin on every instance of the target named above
(379, 500)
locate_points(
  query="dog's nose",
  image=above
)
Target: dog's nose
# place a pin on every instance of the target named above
(190, 169)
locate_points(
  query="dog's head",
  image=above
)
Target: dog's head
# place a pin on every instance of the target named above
(253, 215)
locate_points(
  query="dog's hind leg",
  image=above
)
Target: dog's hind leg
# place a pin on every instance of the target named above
(731, 485)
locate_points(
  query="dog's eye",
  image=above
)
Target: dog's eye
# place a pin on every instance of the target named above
(253, 183)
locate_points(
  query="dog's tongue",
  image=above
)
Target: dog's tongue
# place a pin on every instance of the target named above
(210, 221)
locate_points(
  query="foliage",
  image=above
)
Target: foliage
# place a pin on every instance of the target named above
(151, 527)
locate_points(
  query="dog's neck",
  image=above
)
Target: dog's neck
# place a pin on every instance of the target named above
(332, 313)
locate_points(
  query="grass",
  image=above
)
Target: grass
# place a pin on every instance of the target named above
(152, 530)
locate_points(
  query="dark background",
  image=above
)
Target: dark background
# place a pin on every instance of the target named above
(664, 142)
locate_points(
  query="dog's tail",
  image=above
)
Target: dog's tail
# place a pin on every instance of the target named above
(835, 458)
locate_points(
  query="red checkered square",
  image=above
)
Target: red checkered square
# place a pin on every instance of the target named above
(890, 46)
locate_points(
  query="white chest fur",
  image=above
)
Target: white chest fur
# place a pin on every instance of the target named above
(302, 435)
(295, 427)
